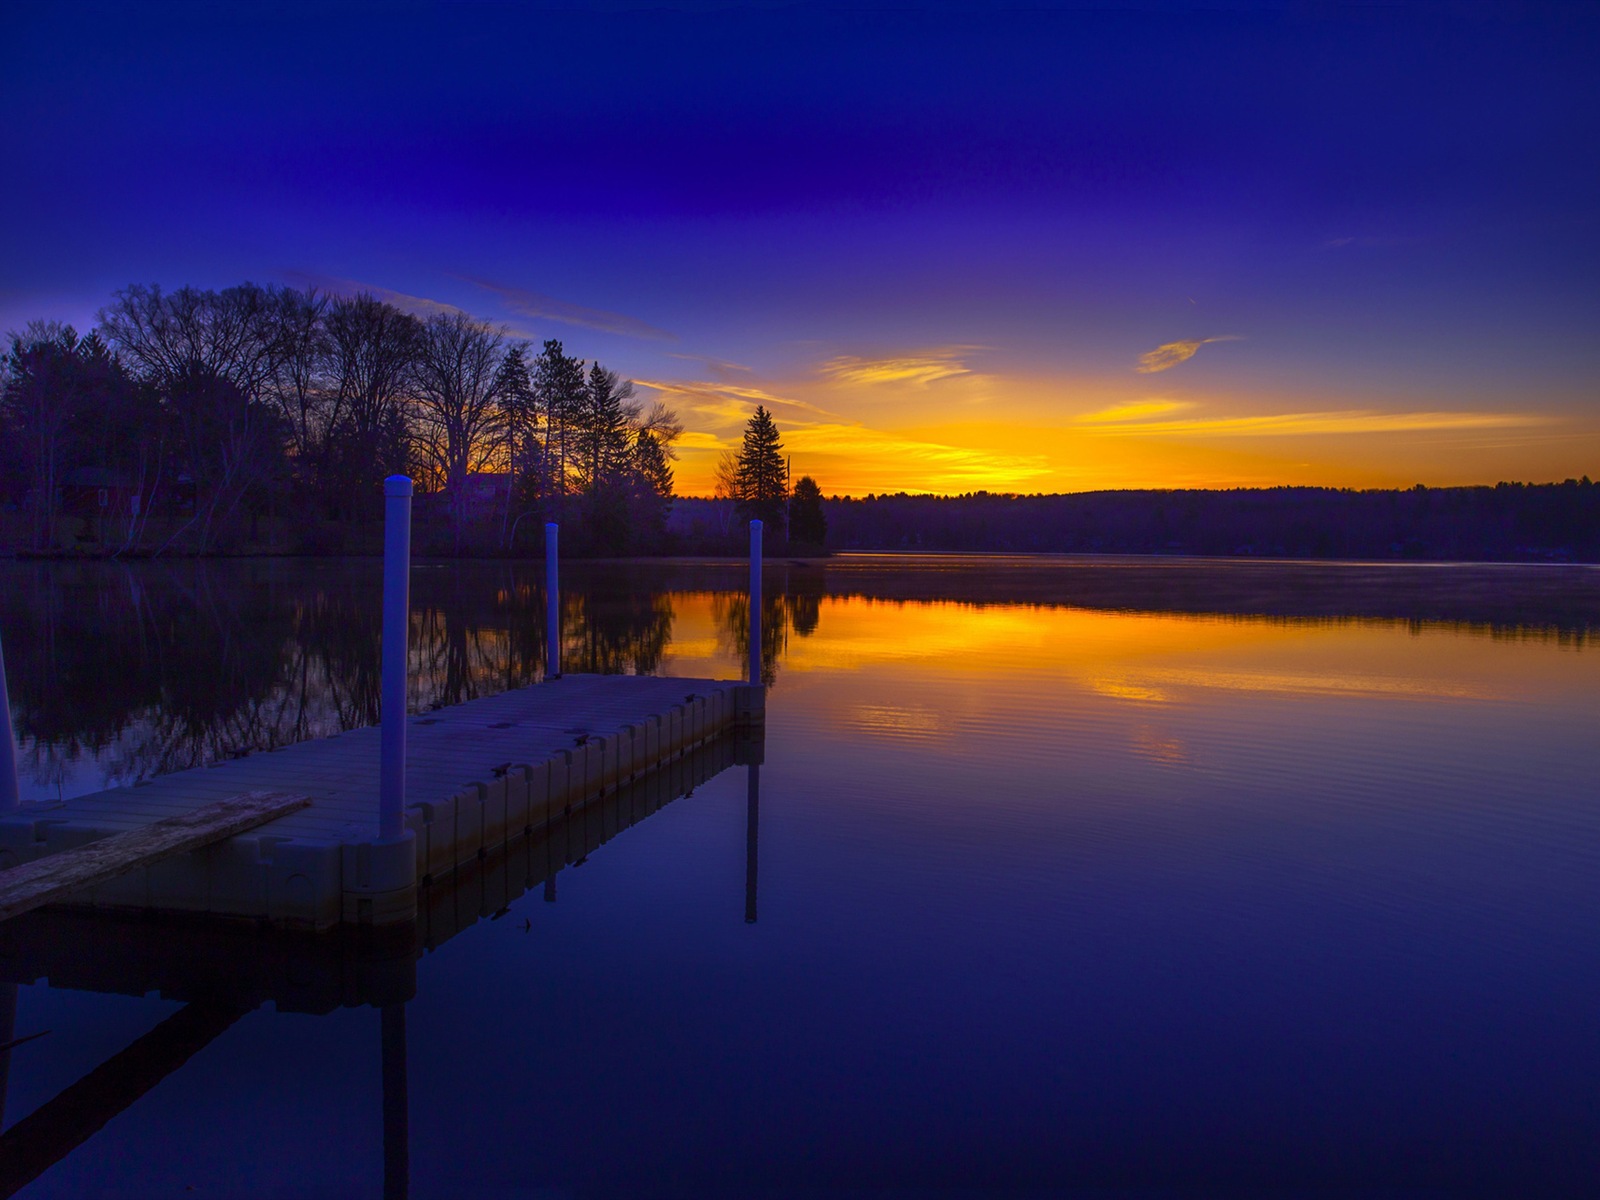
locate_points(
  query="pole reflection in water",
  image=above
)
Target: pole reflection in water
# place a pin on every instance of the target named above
(8, 1030)
(396, 1108)
(752, 819)
(59, 1126)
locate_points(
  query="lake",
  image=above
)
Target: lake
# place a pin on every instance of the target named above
(1068, 876)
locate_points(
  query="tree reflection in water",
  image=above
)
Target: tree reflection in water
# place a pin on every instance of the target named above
(148, 668)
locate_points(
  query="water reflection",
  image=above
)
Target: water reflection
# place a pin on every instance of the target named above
(122, 672)
(222, 971)
(1161, 882)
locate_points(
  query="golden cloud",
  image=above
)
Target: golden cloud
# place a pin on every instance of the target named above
(1164, 358)
(1136, 410)
(1290, 424)
(921, 368)
(725, 401)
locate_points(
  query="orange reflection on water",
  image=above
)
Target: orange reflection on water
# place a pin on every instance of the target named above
(1116, 694)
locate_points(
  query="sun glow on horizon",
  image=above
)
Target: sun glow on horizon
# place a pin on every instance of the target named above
(936, 423)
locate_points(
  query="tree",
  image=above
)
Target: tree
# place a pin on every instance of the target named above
(654, 475)
(806, 522)
(602, 431)
(372, 348)
(209, 356)
(514, 386)
(759, 483)
(558, 388)
(41, 396)
(462, 422)
(294, 382)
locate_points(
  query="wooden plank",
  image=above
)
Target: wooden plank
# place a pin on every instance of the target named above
(46, 880)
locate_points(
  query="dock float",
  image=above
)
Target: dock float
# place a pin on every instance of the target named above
(478, 776)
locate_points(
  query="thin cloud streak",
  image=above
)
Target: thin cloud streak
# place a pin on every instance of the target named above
(1136, 410)
(1292, 424)
(1165, 357)
(923, 368)
(715, 398)
(417, 306)
(534, 304)
(715, 365)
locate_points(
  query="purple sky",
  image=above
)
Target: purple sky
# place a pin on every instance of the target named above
(938, 242)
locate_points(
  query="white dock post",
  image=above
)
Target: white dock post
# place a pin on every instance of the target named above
(396, 650)
(552, 602)
(10, 790)
(755, 603)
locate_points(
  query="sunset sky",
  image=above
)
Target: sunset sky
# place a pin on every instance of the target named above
(1075, 247)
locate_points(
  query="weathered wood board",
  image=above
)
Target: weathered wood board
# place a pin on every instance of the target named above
(57, 876)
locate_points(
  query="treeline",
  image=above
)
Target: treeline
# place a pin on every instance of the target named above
(1507, 522)
(187, 418)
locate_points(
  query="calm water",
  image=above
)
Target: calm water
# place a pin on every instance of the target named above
(1101, 878)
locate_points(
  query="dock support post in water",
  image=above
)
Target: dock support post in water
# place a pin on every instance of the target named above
(10, 790)
(752, 822)
(755, 603)
(552, 602)
(396, 1108)
(396, 648)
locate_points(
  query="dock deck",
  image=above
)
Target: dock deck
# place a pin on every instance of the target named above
(478, 775)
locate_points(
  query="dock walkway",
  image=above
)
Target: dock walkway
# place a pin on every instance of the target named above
(478, 775)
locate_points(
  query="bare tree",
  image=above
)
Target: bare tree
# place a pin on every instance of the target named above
(462, 422)
(295, 381)
(210, 355)
(372, 349)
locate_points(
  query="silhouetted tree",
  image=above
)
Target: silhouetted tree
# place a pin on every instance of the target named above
(514, 386)
(806, 522)
(559, 389)
(461, 424)
(759, 483)
(42, 393)
(208, 355)
(371, 347)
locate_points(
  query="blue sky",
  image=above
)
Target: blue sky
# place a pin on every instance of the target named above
(938, 241)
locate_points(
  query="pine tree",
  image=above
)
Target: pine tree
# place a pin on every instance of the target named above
(559, 387)
(602, 432)
(655, 480)
(515, 389)
(760, 485)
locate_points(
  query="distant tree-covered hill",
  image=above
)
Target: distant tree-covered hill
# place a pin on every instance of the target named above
(1506, 522)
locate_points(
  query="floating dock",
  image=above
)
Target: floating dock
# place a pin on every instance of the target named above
(479, 776)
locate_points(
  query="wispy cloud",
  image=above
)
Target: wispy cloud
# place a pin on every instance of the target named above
(719, 369)
(729, 402)
(920, 368)
(1164, 358)
(417, 306)
(1297, 424)
(548, 308)
(1136, 410)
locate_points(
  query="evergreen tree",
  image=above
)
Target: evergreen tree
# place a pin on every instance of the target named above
(558, 387)
(806, 522)
(602, 432)
(760, 486)
(654, 475)
(514, 386)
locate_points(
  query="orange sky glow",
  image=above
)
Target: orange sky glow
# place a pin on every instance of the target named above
(936, 422)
